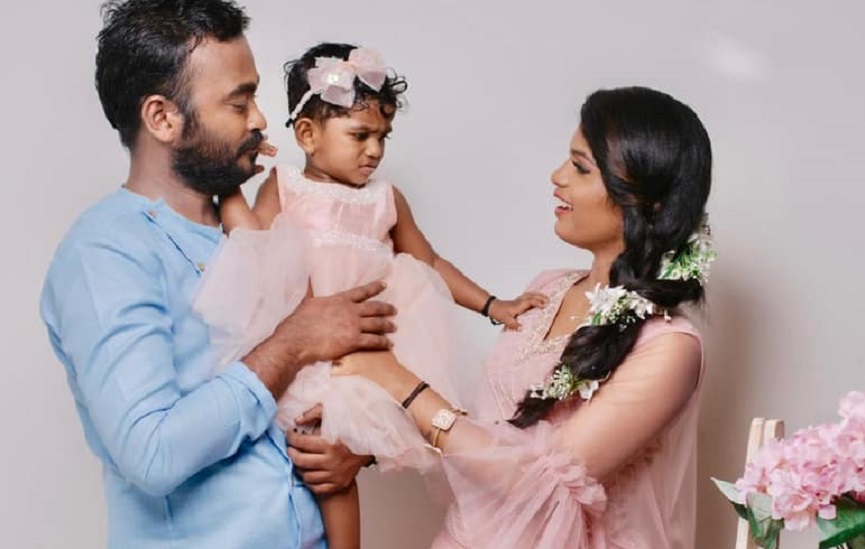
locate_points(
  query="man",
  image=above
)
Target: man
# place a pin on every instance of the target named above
(189, 460)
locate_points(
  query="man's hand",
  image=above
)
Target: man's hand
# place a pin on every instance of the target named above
(324, 467)
(331, 327)
(322, 328)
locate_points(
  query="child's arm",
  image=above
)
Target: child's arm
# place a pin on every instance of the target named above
(340, 513)
(408, 238)
(267, 204)
(235, 212)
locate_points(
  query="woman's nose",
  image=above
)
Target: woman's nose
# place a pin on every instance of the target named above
(557, 177)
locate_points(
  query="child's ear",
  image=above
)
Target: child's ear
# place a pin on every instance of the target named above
(306, 132)
(162, 118)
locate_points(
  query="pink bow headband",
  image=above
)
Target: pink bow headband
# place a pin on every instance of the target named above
(333, 78)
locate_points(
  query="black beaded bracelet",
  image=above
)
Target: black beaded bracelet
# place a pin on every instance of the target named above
(486, 309)
(417, 390)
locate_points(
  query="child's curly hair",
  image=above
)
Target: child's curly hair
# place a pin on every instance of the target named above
(389, 97)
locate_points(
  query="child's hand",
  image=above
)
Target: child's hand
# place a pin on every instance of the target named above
(507, 311)
(265, 149)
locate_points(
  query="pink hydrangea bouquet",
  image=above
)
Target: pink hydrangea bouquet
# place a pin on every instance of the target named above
(814, 478)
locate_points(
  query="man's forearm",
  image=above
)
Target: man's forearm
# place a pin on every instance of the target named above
(277, 360)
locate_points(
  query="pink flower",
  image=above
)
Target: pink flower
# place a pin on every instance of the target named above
(756, 478)
(853, 406)
(806, 472)
(829, 512)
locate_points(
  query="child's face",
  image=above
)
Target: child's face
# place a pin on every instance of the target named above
(348, 149)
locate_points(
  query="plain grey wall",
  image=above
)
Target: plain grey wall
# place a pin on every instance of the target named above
(494, 92)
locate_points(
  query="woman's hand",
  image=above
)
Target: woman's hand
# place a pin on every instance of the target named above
(506, 311)
(380, 367)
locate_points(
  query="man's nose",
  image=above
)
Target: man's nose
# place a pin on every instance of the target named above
(257, 121)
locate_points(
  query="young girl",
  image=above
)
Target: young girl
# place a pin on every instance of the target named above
(333, 226)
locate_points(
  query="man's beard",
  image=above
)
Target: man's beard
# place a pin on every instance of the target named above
(209, 165)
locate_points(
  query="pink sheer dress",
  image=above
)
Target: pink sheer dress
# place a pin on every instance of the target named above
(521, 489)
(331, 238)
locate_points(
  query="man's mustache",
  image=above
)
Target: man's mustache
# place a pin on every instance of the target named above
(253, 142)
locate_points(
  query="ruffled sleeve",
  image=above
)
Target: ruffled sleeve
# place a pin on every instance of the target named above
(518, 488)
(515, 489)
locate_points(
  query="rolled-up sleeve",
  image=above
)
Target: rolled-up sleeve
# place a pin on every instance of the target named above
(108, 302)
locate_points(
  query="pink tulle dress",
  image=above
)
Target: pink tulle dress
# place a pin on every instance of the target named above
(333, 237)
(518, 489)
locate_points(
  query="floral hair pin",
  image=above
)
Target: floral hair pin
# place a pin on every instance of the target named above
(333, 79)
(618, 306)
(694, 261)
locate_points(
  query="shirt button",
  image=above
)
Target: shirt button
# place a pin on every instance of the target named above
(200, 266)
(151, 213)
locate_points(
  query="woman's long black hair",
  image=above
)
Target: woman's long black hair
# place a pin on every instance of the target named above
(655, 160)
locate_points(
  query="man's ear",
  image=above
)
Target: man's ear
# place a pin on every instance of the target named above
(306, 133)
(162, 118)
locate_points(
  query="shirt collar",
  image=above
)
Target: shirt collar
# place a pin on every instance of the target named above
(195, 241)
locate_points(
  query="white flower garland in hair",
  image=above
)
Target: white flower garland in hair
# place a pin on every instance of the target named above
(606, 306)
(694, 261)
(562, 384)
(622, 307)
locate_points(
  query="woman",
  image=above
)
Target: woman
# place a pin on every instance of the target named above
(586, 436)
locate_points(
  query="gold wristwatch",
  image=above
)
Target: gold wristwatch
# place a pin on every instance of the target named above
(442, 421)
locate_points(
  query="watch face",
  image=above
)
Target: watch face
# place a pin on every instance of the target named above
(443, 419)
